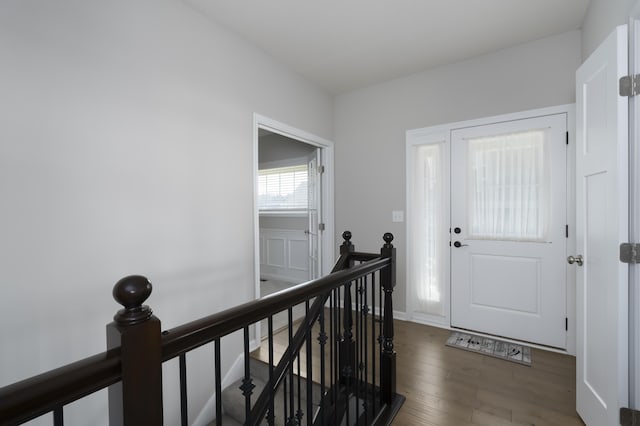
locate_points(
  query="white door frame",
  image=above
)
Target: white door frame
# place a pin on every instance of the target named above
(326, 153)
(442, 133)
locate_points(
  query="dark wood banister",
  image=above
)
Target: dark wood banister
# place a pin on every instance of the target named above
(35, 396)
(38, 395)
(202, 331)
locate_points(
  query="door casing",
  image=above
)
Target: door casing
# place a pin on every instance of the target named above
(327, 189)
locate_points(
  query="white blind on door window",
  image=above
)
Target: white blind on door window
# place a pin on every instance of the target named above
(429, 226)
(508, 187)
(283, 188)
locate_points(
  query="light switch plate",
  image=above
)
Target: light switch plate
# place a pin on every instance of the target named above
(397, 216)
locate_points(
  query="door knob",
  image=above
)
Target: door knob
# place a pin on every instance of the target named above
(458, 244)
(577, 259)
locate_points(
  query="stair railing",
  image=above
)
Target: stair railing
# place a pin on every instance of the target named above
(132, 366)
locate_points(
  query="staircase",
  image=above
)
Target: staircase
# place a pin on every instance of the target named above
(233, 399)
(344, 342)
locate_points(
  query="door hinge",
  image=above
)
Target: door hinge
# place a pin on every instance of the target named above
(566, 231)
(629, 417)
(567, 138)
(321, 169)
(629, 252)
(566, 324)
(321, 227)
(630, 85)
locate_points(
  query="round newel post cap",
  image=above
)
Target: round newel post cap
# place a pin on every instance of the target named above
(131, 292)
(346, 235)
(388, 237)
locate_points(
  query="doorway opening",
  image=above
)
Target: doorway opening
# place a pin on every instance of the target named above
(293, 210)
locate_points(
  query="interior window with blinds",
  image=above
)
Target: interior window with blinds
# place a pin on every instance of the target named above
(283, 188)
(508, 187)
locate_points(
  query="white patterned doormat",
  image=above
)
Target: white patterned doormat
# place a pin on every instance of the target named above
(491, 347)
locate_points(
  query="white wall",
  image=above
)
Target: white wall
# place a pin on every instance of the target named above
(370, 127)
(601, 18)
(126, 147)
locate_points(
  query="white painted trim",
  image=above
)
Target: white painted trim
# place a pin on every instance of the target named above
(432, 320)
(442, 132)
(571, 221)
(208, 412)
(327, 159)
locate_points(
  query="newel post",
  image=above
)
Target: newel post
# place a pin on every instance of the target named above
(137, 399)
(347, 247)
(388, 356)
(347, 347)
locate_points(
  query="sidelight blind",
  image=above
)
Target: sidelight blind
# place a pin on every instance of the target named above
(429, 226)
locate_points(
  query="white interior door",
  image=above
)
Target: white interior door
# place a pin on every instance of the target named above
(634, 212)
(313, 213)
(508, 229)
(602, 224)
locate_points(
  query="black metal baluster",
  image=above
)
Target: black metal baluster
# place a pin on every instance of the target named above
(285, 398)
(336, 362)
(299, 387)
(322, 339)
(291, 379)
(247, 383)
(346, 346)
(271, 415)
(357, 347)
(218, 372)
(332, 340)
(183, 390)
(380, 336)
(58, 416)
(365, 346)
(373, 342)
(309, 382)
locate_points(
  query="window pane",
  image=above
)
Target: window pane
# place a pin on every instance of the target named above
(283, 188)
(508, 187)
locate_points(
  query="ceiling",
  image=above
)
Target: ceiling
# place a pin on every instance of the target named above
(343, 45)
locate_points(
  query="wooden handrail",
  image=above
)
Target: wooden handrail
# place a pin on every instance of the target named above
(33, 397)
(37, 395)
(204, 330)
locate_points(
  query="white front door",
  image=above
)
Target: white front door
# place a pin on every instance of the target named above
(602, 224)
(508, 229)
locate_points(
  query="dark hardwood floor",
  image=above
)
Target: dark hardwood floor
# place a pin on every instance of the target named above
(451, 387)
(447, 386)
